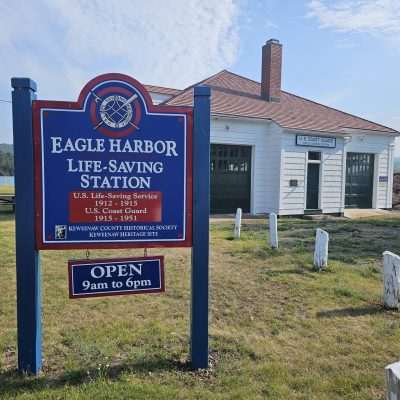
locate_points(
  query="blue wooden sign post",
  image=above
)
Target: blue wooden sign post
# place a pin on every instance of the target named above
(27, 257)
(201, 212)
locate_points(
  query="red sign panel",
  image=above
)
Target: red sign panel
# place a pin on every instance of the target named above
(115, 207)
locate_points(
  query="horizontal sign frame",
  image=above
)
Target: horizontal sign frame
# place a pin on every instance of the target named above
(316, 141)
(124, 268)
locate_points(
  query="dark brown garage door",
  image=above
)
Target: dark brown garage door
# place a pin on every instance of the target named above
(359, 180)
(230, 178)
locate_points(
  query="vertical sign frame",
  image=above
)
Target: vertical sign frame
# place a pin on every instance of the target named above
(201, 215)
(27, 257)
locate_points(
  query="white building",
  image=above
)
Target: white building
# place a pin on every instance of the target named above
(273, 151)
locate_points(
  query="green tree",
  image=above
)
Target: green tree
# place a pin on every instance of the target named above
(6, 164)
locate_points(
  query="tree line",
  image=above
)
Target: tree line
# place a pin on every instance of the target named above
(6, 164)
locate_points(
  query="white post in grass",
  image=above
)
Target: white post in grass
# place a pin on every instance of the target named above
(238, 223)
(391, 280)
(392, 378)
(273, 230)
(321, 249)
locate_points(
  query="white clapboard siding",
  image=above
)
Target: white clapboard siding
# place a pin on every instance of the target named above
(382, 189)
(331, 179)
(276, 160)
(158, 98)
(333, 173)
(294, 166)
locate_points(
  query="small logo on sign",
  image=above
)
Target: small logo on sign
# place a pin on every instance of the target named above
(115, 111)
(60, 232)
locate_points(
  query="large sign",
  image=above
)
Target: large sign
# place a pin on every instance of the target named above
(315, 141)
(93, 278)
(112, 169)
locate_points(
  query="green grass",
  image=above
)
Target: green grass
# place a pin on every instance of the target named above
(7, 189)
(278, 330)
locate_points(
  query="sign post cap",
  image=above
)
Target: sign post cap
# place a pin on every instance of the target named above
(202, 90)
(23, 83)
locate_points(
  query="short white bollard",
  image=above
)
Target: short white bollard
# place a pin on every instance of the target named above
(273, 230)
(238, 223)
(391, 280)
(321, 249)
(392, 378)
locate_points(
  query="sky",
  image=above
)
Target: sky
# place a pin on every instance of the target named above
(342, 53)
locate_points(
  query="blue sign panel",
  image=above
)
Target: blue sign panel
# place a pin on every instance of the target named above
(94, 278)
(112, 169)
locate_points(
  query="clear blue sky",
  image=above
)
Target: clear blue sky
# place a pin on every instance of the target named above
(343, 53)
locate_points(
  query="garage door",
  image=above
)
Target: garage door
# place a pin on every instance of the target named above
(359, 180)
(230, 178)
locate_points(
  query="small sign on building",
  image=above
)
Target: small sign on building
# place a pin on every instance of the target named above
(315, 141)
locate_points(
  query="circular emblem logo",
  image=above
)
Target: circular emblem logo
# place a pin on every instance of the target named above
(115, 111)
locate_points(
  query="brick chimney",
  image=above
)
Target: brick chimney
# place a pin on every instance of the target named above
(271, 70)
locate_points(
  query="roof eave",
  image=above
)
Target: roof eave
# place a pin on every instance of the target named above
(238, 116)
(343, 131)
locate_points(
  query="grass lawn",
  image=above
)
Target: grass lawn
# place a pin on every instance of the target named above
(278, 330)
(7, 189)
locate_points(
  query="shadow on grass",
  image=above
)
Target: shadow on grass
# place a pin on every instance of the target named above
(12, 382)
(295, 271)
(7, 215)
(371, 309)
